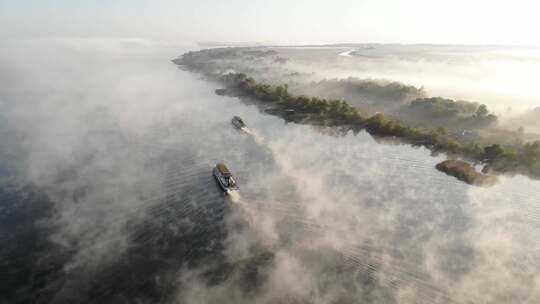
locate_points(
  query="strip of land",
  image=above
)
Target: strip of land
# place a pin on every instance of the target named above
(497, 158)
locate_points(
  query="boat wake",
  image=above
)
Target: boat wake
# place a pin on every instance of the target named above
(234, 196)
(256, 136)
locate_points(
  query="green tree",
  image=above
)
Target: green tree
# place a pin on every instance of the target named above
(482, 111)
(493, 152)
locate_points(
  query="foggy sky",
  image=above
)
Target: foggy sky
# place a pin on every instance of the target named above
(387, 21)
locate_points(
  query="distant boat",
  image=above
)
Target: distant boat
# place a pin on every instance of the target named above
(221, 92)
(238, 122)
(224, 178)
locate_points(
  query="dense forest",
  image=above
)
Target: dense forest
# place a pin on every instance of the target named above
(405, 102)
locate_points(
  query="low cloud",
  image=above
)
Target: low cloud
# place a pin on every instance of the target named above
(123, 144)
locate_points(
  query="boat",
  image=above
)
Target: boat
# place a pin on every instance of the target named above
(224, 178)
(238, 122)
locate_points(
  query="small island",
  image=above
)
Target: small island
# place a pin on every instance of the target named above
(465, 172)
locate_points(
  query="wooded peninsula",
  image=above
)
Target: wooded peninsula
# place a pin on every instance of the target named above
(516, 158)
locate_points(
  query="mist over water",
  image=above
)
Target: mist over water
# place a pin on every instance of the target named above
(498, 76)
(115, 147)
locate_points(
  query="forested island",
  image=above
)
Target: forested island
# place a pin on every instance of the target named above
(439, 134)
(465, 172)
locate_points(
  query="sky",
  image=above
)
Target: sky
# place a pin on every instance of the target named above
(279, 21)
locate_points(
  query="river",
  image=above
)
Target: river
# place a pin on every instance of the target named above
(108, 197)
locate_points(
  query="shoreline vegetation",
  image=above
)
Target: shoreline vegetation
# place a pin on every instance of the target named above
(497, 158)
